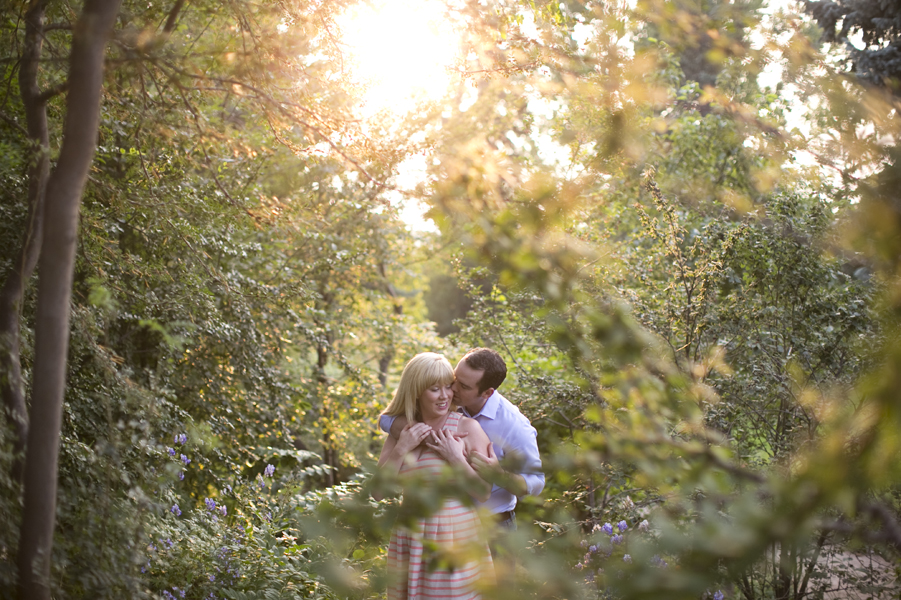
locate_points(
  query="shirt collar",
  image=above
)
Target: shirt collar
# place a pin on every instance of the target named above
(489, 411)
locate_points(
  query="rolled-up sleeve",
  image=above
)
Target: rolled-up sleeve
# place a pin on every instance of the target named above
(523, 444)
(385, 423)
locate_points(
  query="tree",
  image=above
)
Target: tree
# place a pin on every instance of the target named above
(57, 262)
(878, 63)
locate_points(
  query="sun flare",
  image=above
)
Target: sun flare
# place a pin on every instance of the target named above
(400, 51)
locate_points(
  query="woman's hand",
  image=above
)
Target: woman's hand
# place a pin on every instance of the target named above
(411, 436)
(448, 447)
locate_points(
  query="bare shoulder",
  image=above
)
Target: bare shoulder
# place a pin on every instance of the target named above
(468, 424)
(477, 438)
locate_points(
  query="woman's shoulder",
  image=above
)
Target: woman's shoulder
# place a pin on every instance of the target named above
(468, 424)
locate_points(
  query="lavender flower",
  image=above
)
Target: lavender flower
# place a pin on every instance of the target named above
(171, 451)
(180, 438)
(718, 595)
(657, 561)
(584, 543)
(175, 510)
(181, 475)
(644, 525)
(223, 510)
(617, 539)
(608, 528)
(592, 548)
(269, 471)
(622, 526)
(210, 504)
(185, 459)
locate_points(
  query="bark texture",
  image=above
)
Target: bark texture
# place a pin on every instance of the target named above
(56, 265)
(12, 390)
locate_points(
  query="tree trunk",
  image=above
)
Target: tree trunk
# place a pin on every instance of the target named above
(56, 266)
(11, 388)
(388, 354)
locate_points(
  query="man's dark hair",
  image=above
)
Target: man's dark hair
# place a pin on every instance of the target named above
(486, 359)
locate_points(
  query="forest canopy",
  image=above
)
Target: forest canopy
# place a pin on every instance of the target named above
(226, 226)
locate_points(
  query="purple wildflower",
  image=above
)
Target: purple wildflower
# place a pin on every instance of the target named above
(175, 510)
(180, 438)
(269, 471)
(608, 528)
(718, 595)
(210, 504)
(171, 451)
(592, 548)
(628, 558)
(223, 510)
(644, 525)
(181, 475)
(617, 539)
(622, 525)
(185, 459)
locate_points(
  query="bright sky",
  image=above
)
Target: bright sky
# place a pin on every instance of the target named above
(400, 50)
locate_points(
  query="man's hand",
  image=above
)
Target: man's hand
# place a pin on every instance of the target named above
(490, 469)
(487, 467)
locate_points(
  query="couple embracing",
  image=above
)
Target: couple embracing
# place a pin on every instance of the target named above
(444, 555)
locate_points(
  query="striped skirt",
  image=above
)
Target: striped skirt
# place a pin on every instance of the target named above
(444, 558)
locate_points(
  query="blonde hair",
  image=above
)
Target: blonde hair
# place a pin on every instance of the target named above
(423, 371)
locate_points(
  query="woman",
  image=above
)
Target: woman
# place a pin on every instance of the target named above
(424, 449)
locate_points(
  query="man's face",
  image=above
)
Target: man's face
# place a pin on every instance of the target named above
(466, 388)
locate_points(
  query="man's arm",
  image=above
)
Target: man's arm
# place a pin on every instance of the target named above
(523, 475)
(392, 425)
(488, 467)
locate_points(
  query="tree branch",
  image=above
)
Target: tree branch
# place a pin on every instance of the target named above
(173, 17)
(49, 93)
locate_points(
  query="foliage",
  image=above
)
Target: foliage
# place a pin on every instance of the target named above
(703, 332)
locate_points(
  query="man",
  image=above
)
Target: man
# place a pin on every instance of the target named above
(478, 375)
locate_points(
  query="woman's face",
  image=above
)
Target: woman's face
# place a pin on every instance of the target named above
(435, 401)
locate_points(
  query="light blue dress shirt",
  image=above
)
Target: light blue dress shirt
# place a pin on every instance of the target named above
(514, 437)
